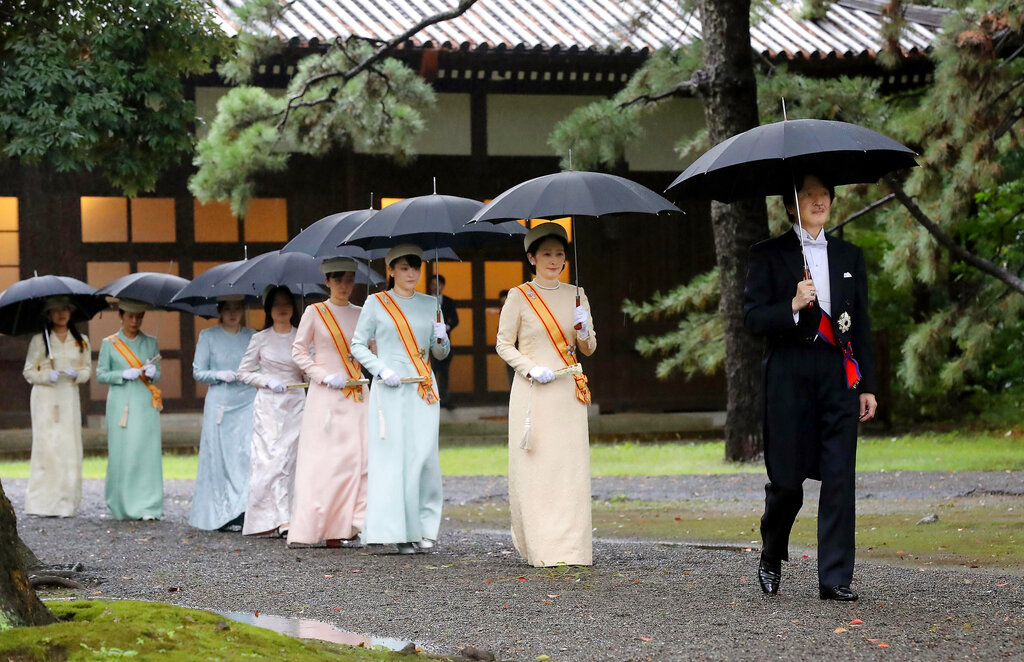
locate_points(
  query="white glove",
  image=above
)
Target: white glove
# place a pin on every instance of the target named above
(579, 316)
(225, 376)
(276, 385)
(390, 377)
(130, 374)
(440, 332)
(541, 374)
(70, 372)
(150, 371)
(54, 376)
(334, 381)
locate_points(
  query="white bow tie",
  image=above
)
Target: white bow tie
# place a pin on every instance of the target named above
(810, 242)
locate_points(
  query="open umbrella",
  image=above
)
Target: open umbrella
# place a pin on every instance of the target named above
(574, 193)
(156, 289)
(21, 304)
(201, 290)
(322, 239)
(298, 271)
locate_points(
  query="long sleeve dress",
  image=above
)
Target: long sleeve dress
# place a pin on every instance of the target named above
(222, 479)
(135, 487)
(549, 484)
(275, 425)
(404, 479)
(330, 473)
(55, 470)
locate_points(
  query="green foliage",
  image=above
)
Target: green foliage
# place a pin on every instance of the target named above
(99, 85)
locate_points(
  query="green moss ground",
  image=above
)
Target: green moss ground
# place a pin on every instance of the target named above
(100, 630)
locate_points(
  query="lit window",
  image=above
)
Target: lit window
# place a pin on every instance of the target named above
(215, 222)
(9, 252)
(267, 220)
(460, 374)
(462, 335)
(104, 219)
(153, 220)
(497, 374)
(458, 279)
(500, 276)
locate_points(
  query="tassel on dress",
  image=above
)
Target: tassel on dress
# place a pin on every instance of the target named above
(124, 416)
(524, 443)
(380, 422)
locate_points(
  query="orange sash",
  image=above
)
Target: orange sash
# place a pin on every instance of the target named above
(418, 358)
(341, 344)
(128, 355)
(557, 337)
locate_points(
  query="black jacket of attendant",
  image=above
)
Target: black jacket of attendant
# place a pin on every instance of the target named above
(774, 270)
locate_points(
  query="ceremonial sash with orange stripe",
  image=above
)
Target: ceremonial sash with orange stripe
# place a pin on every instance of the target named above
(341, 344)
(557, 337)
(128, 355)
(851, 369)
(426, 387)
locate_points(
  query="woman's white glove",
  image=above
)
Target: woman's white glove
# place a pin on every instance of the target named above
(225, 376)
(541, 374)
(334, 381)
(440, 332)
(54, 376)
(70, 372)
(390, 377)
(130, 374)
(579, 316)
(276, 385)
(150, 371)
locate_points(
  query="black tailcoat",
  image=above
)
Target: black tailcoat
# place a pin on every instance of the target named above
(809, 413)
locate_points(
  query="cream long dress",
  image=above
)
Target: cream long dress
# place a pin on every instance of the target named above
(55, 470)
(330, 473)
(548, 485)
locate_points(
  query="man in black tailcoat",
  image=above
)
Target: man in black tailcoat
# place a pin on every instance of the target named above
(435, 287)
(817, 332)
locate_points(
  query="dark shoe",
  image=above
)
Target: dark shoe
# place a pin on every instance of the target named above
(840, 593)
(769, 573)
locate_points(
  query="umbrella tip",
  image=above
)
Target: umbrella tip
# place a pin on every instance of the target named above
(35, 273)
(435, 185)
(570, 159)
(784, 118)
(371, 199)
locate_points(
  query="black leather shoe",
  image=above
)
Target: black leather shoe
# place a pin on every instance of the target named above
(769, 573)
(840, 593)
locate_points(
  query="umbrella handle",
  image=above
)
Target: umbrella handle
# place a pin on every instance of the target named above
(807, 276)
(580, 325)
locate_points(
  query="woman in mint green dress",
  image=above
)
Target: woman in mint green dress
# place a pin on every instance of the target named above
(403, 500)
(135, 488)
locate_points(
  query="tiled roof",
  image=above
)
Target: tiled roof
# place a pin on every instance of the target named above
(850, 27)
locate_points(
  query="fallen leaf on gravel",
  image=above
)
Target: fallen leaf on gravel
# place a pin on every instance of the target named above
(337, 609)
(238, 551)
(874, 641)
(406, 565)
(542, 658)
(899, 551)
(883, 645)
(521, 579)
(328, 576)
(967, 626)
(98, 592)
(555, 596)
(547, 602)
(489, 581)
(743, 579)
(679, 519)
(840, 629)
(646, 638)
(805, 557)
(354, 570)
(856, 621)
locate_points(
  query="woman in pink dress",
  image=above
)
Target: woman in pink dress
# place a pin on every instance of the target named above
(329, 501)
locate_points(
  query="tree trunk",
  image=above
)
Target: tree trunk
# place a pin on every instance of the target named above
(729, 94)
(19, 604)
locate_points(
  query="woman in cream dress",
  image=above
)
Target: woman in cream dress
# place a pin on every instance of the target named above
(549, 451)
(277, 416)
(55, 371)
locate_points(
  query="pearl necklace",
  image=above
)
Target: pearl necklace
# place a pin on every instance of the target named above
(545, 287)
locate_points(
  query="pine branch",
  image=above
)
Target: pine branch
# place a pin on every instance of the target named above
(857, 214)
(374, 57)
(980, 263)
(699, 78)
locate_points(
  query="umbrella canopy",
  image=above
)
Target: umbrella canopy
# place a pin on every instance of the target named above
(156, 289)
(322, 239)
(21, 304)
(429, 221)
(764, 160)
(573, 193)
(200, 291)
(298, 271)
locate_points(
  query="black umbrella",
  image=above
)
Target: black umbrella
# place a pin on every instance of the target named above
(297, 271)
(21, 304)
(322, 239)
(574, 193)
(156, 289)
(200, 291)
(764, 160)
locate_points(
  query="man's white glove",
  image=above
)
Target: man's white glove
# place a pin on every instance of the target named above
(150, 372)
(54, 376)
(276, 385)
(334, 381)
(130, 374)
(70, 372)
(440, 332)
(579, 316)
(541, 374)
(225, 376)
(390, 377)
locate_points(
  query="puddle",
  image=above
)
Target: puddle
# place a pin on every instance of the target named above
(306, 629)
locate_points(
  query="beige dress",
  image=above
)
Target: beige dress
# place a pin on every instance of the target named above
(549, 484)
(55, 470)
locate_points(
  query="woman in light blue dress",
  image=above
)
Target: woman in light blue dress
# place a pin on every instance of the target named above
(222, 481)
(403, 501)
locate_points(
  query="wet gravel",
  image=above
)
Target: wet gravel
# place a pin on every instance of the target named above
(640, 601)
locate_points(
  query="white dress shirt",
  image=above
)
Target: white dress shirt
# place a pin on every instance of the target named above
(816, 251)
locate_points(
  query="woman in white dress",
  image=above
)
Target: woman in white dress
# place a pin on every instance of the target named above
(277, 416)
(58, 360)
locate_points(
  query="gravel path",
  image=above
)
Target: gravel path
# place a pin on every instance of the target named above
(641, 601)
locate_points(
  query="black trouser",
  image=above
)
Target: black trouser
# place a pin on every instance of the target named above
(810, 432)
(441, 367)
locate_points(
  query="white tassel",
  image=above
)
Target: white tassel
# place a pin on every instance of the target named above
(327, 421)
(380, 422)
(524, 443)
(220, 415)
(124, 417)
